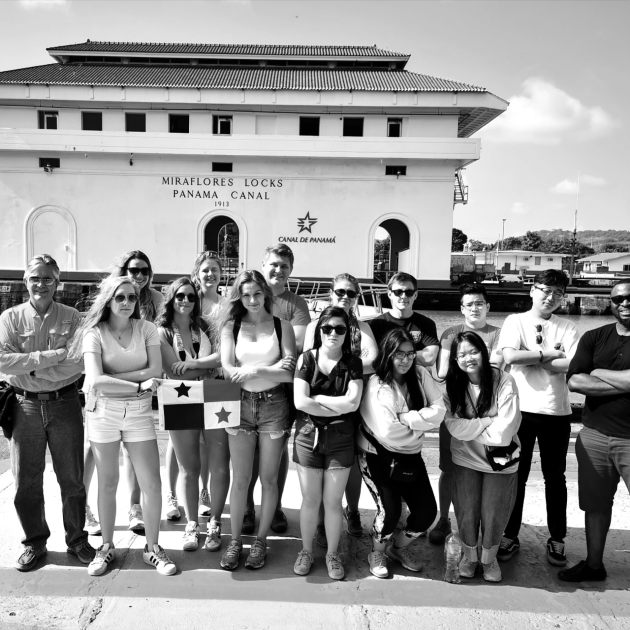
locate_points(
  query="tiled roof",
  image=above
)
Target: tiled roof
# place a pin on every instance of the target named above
(225, 77)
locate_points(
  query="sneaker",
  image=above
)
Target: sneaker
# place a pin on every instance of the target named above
(92, 526)
(378, 564)
(136, 520)
(467, 567)
(442, 529)
(29, 557)
(191, 536)
(249, 523)
(334, 566)
(257, 555)
(83, 551)
(353, 518)
(213, 536)
(581, 572)
(491, 571)
(231, 556)
(556, 554)
(103, 558)
(172, 508)
(279, 523)
(507, 548)
(320, 536)
(303, 563)
(158, 558)
(204, 503)
(405, 557)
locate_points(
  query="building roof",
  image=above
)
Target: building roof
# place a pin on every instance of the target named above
(527, 252)
(603, 257)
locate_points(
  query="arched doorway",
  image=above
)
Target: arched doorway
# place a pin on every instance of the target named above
(52, 230)
(391, 250)
(221, 235)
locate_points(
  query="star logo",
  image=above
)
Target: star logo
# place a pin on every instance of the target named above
(223, 415)
(306, 223)
(182, 390)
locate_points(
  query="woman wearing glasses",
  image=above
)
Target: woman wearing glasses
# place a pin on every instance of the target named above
(122, 362)
(187, 354)
(482, 413)
(327, 390)
(401, 402)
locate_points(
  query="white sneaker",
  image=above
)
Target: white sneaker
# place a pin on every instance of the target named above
(92, 526)
(204, 503)
(378, 564)
(136, 520)
(492, 571)
(103, 558)
(158, 558)
(172, 508)
(213, 536)
(191, 536)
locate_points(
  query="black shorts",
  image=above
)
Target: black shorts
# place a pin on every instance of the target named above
(335, 446)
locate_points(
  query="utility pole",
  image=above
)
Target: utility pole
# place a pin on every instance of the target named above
(574, 239)
(503, 235)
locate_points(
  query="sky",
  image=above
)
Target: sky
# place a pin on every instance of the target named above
(562, 64)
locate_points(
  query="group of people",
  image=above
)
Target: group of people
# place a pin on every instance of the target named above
(358, 395)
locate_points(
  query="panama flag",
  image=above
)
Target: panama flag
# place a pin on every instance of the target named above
(207, 404)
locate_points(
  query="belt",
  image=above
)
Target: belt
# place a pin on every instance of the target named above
(262, 395)
(46, 395)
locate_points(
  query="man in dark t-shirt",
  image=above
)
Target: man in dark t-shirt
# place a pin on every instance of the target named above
(600, 369)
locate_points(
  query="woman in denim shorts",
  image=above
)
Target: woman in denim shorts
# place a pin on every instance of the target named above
(258, 352)
(122, 365)
(327, 388)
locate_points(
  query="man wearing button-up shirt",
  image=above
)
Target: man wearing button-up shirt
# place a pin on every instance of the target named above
(34, 346)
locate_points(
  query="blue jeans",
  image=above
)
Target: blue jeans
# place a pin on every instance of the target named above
(58, 424)
(482, 500)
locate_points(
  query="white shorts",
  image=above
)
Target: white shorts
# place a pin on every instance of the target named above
(129, 420)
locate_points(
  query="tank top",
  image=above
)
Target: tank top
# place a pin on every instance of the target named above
(262, 352)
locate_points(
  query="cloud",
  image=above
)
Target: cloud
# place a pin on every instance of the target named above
(43, 4)
(544, 114)
(518, 207)
(570, 187)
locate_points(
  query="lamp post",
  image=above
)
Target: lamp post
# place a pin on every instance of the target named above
(503, 234)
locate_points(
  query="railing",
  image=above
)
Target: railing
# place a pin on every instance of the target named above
(461, 190)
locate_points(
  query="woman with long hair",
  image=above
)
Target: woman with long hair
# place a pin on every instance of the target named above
(401, 402)
(187, 354)
(258, 352)
(122, 364)
(482, 414)
(327, 391)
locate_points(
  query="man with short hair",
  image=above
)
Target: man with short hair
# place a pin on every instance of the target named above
(34, 343)
(474, 307)
(538, 346)
(600, 369)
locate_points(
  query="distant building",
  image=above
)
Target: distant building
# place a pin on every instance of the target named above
(609, 266)
(519, 262)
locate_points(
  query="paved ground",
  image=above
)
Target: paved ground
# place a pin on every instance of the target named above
(132, 595)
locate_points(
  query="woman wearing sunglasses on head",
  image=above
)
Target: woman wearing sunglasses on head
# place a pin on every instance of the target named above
(187, 354)
(483, 418)
(401, 402)
(327, 391)
(122, 364)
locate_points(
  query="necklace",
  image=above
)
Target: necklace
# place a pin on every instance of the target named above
(119, 334)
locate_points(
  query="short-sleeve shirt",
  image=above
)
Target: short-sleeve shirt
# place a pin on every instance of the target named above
(292, 308)
(604, 348)
(489, 334)
(420, 327)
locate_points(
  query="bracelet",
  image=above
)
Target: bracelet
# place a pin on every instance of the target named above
(541, 356)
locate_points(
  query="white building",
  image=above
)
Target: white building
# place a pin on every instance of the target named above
(172, 148)
(519, 262)
(609, 265)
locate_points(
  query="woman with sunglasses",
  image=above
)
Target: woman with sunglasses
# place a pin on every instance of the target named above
(187, 354)
(482, 411)
(122, 364)
(401, 402)
(258, 352)
(327, 390)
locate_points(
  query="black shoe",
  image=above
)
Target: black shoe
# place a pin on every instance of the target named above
(556, 554)
(581, 572)
(83, 551)
(442, 529)
(353, 518)
(279, 522)
(249, 523)
(507, 548)
(30, 557)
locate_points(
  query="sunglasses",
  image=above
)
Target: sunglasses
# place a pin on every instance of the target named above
(405, 292)
(138, 271)
(618, 300)
(180, 297)
(401, 355)
(539, 337)
(132, 298)
(343, 292)
(339, 330)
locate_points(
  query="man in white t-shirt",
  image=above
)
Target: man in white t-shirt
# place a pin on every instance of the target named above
(539, 346)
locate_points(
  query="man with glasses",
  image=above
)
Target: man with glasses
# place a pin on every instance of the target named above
(600, 369)
(34, 358)
(474, 307)
(538, 346)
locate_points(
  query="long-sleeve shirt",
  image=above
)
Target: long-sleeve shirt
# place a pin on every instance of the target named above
(386, 414)
(28, 342)
(498, 428)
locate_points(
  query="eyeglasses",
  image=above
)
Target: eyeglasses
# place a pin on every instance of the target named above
(471, 305)
(405, 292)
(339, 330)
(180, 297)
(132, 298)
(401, 355)
(343, 292)
(618, 300)
(138, 271)
(539, 337)
(557, 295)
(39, 280)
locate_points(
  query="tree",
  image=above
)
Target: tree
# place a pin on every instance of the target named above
(512, 242)
(532, 241)
(478, 246)
(458, 240)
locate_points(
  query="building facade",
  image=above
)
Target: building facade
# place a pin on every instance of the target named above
(517, 262)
